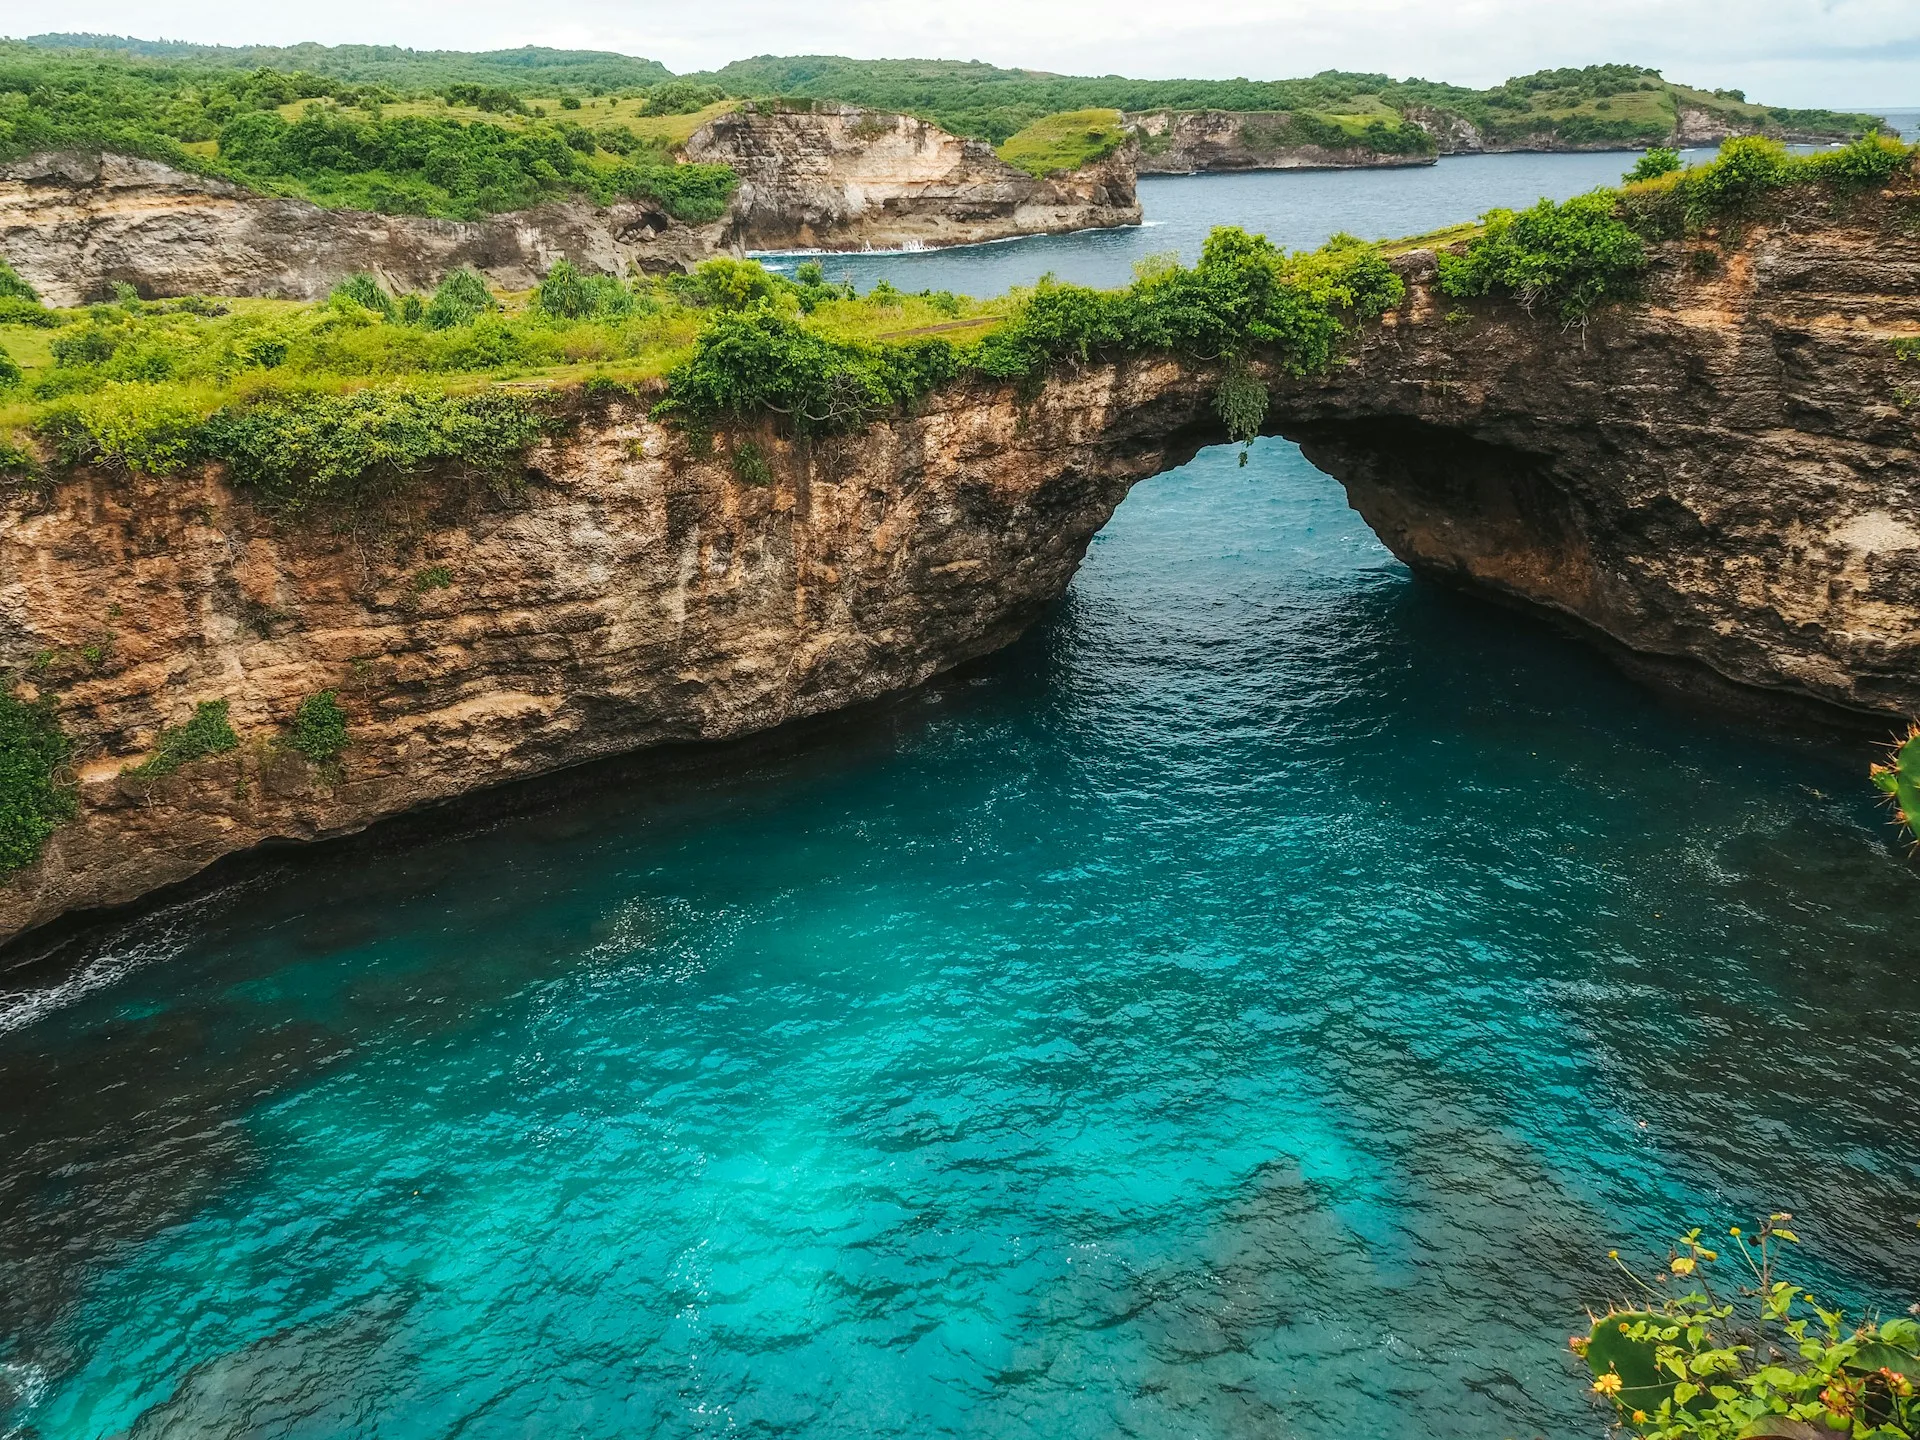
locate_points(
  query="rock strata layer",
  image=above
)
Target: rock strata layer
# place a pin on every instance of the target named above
(1724, 477)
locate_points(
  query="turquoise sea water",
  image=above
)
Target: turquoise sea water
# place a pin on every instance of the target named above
(1249, 1006)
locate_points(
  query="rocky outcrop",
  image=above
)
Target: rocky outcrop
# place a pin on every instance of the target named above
(1722, 480)
(1186, 142)
(75, 225)
(835, 177)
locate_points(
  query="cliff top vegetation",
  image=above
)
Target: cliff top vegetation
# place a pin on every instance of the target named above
(459, 135)
(307, 400)
(1624, 104)
(1065, 141)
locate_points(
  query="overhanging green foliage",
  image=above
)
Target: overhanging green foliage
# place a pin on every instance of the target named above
(33, 801)
(1568, 257)
(303, 452)
(319, 730)
(208, 732)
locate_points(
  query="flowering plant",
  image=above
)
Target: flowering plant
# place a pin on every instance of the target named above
(1765, 1359)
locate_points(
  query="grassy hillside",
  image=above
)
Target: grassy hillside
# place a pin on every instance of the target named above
(468, 150)
(459, 135)
(1065, 141)
(1625, 104)
(531, 66)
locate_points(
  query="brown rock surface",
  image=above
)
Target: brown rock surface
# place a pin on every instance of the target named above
(1726, 477)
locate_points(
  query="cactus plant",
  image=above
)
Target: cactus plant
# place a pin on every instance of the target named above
(1612, 1349)
(1900, 779)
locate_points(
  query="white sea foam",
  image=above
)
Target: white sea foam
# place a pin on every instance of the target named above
(157, 936)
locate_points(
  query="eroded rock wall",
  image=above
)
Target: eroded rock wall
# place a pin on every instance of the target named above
(630, 594)
(835, 177)
(75, 225)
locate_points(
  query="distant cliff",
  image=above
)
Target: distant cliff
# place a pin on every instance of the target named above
(828, 176)
(836, 177)
(1184, 142)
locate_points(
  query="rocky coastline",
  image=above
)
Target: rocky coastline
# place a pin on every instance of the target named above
(1718, 480)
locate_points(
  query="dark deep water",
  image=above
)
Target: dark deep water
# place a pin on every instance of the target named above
(1250, 1006)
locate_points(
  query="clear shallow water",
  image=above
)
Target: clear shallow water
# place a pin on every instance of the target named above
(1252, 1005)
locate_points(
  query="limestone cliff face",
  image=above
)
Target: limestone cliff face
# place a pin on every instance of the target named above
(1186, 142)
(632, 594)
(835, 177)
(1723, 479)
(74, 225)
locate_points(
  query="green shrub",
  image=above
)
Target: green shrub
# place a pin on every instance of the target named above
(756, 362)
(15, 311)
(303, 452)
(1747, 168)
(566, 294)
(681, 97)
(697, 194)
(1866, 163)
(1660, 160)
(434, 577)
(750, 465)
(1571, 256)
(319, 730)
(364, 291)
(459, 299)
(1757, 1357)
(208, 733)
(10, 372)
(33, 801)
(145, 427)
(728, 284)
(12, 287)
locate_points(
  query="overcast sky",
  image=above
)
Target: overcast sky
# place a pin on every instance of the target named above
(1788, 52)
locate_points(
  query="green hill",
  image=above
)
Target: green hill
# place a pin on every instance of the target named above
(531, 66)
(1624, 104)
(459, 134)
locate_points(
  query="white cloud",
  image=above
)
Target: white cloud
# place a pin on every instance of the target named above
(1796, 52)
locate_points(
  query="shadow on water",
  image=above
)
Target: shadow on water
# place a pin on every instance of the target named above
(1256, 1000)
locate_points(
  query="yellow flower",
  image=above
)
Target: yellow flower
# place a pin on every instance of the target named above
(1608, 1384)
(1683, 1266)
(1613, 1254)
(1639, 1417)
(1735, 1232)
